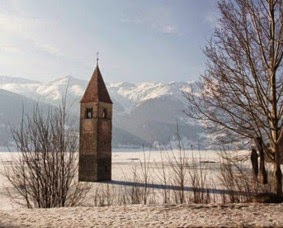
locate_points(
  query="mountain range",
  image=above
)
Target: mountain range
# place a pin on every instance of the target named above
(145, 114)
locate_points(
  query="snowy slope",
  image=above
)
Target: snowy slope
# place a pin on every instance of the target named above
(12, 107)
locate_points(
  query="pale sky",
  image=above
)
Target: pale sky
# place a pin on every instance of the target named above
(137, 40)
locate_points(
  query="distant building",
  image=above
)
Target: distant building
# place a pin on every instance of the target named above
(95, 131)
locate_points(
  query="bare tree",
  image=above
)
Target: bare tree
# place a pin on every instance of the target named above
(44, 174)
(240, 94)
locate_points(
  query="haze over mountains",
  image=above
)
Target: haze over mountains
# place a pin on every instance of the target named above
(145, 114)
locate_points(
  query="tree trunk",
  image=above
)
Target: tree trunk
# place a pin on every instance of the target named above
(275, 119)
(254, 161)
(278, 174)
(263, 173)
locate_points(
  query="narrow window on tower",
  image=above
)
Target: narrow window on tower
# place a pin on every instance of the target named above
(89, 113)
(104, 114)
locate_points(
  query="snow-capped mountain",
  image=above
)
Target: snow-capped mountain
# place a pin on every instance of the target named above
(144, 113)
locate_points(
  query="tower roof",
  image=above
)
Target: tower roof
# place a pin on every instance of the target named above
(96, 90)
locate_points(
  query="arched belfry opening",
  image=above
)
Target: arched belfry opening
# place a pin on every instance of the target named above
(89, 113)
(95, 154)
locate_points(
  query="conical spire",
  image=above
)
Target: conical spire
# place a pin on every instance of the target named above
(96, 90)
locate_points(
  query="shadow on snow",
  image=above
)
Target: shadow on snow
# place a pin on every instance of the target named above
(174, 187)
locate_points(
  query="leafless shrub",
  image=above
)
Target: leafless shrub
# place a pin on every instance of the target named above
(105, 195)
(237, 178)
(44, 175)
(199, 182)
(182, 172)
(145, 176)
(163, 178)
(179, 164)
(135, 191)
(140, 192)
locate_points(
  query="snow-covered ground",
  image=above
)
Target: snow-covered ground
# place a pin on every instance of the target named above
(172, 215)
(123, 164)
(192, 215)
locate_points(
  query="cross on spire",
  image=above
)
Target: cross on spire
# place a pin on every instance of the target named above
(97, 57)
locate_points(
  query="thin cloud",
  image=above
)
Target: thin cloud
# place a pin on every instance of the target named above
(10, 49)
(18, 25)
(155, 25)
(133, 20)
(49, 48)
(24, 28)
(167, 29)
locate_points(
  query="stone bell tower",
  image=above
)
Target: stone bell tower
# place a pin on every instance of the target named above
(95, 131)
